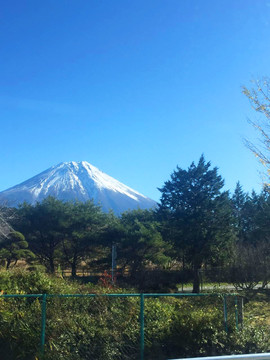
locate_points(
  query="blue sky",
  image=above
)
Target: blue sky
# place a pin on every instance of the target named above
(133, 87)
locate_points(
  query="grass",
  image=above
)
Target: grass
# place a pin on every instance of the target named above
(206, 286)
(257, 307)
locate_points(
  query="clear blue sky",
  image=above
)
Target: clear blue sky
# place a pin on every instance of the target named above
(133, 87)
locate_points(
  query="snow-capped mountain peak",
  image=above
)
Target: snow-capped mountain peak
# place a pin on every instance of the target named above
(77, 181)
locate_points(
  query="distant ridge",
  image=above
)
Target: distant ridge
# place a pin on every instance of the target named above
(77, 181)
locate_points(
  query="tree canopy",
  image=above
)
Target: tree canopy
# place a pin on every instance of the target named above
(13, 248)
(198, 214)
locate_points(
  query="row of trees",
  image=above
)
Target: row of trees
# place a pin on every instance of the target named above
(196, 226)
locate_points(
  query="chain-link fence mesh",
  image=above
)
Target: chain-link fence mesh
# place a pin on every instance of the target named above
(87, 328)
(172, 323)
(20, 325)
(113, 326)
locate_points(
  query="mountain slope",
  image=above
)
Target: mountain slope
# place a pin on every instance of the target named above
(77, 181)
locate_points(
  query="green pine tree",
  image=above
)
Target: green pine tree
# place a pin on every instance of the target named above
(14, 248)
(198, 215)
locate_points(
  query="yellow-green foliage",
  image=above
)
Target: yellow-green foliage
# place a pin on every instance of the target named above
(258, 312)
(109, 328)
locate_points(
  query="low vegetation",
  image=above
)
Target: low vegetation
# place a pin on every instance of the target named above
(101, 327)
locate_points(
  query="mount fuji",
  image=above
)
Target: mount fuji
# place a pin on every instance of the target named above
(81, 181)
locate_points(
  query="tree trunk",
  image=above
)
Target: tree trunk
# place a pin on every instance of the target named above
(196, 280)
(74, 265)
(8, 263)
(134, 267)
(73, 269)
(52, 268)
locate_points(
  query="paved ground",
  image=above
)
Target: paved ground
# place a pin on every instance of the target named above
(212, 287)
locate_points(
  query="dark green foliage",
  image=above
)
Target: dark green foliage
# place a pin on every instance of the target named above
(62, 232)
(83, 226)
(42, 225)
(248, 213)
(197, 215)
(240, 203)
(14, 247)
(260, 230)
(141, 245)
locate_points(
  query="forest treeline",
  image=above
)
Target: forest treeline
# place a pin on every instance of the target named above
(197, 227)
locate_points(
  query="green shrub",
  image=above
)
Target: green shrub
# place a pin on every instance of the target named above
(109, 327)
(20, 281)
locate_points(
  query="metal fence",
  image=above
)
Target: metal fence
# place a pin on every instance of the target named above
(111, 326)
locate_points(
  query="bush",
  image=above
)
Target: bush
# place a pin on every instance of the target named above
(20, 281)
(109, 328)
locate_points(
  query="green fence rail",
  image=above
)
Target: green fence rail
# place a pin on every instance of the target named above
(139, 322)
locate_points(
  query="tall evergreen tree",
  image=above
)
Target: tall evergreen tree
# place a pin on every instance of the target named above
(254, 209)
(198, 215)
(240, 203)
(260, 225)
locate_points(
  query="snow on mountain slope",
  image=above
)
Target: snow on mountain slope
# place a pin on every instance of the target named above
(77, 181)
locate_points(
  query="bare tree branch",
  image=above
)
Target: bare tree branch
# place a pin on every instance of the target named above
(6, 216)
(259, 97)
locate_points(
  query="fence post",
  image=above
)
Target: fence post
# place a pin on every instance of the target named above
(236, 312)
(43, 324)
(225, 313)
(142, 327)
(242, 312)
